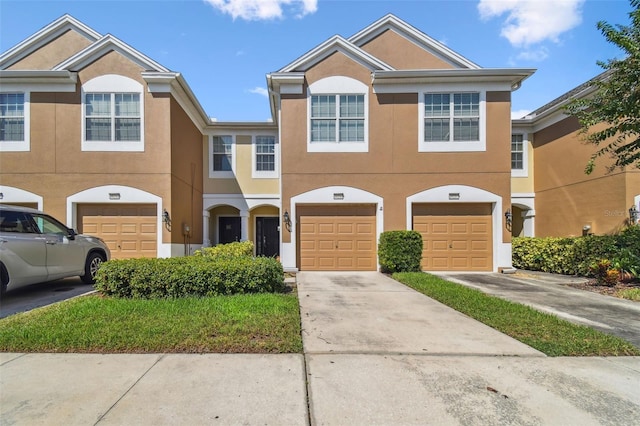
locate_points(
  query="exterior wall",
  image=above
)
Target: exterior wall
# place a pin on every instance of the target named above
(53, 53)
(401, 53)
(525, 184)
(186, 176)
(392, 169)
(567, 199)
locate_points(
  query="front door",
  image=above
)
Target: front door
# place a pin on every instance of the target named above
(229, 229)
(267, 236)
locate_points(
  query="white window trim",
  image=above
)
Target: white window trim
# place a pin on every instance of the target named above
(216, 174)
(524, 172)
(264, 174)
(338, 85)
(112, 83)
(23, 145)
(458, 146)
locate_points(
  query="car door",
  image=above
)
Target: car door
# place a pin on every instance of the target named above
(22, 249)
(65, 254)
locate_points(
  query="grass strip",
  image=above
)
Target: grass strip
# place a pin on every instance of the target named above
(257, 323)
(544, 332)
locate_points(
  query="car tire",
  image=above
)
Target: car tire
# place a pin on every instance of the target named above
(91, 267)
(4, 279)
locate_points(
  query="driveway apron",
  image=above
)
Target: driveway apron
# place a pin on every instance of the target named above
(377, 352)
(355, 312)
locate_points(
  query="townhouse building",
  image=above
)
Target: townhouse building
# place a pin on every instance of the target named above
(387, 129)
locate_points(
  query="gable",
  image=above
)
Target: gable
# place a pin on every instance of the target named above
(402, 54)
(51, 54)
(338, 64)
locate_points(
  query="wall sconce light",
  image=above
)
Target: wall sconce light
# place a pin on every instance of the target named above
(508, 217)
(287, 220)
(166, 219)
(633, 215)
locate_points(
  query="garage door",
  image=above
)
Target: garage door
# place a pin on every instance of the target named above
(337, 238)
(457, 237)
(130, 230)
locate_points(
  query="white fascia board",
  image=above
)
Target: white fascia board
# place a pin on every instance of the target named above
(336, 44)
(44, 36)
(103, 46)
(38, 81)
(176, 85)
(286, 82)
(391, 22)
(496, 79)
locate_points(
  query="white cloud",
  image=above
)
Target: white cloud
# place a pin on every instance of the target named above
(260, 91)
(535, 55)
(533, 21)
(256, 10)
(519, 113)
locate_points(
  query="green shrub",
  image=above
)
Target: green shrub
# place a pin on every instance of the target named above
(238, 248)
(572, 255)
(198, 276)
(400, 251)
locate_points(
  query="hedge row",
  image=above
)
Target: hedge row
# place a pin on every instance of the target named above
(572, 255)
(400, 251)
(199, 276)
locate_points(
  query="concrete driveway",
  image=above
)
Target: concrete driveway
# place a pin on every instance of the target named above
(379, 353)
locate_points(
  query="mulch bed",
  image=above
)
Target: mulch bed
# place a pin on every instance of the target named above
(593, 286)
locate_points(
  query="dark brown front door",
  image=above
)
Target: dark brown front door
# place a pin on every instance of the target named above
(229, 229)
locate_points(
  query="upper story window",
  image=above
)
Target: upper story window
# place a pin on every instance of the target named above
(112, 114)
(518, 156)
(337, 118)
(338, 113)
(452, 121)
(265, 157)
(221, 161)
(14, 122)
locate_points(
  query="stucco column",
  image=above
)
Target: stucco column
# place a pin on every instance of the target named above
(244, 225)
(205, 229)
(528, 222)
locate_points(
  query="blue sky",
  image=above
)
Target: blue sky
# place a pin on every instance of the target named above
(224, 48)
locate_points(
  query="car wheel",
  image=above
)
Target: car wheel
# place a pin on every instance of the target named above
(94, 260)
(4, 279)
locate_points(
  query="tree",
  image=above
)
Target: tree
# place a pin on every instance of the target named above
(615, 102)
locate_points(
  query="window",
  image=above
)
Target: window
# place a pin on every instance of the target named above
(452, 122)
(113, 117)
(517, 153)
(112, 114)
(337, 118)
(221, 148)
(265, 157)
(446, 115)
(13, 122)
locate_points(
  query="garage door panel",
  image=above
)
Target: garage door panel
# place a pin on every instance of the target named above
(129, 230)
(459, 240)
(338, 242)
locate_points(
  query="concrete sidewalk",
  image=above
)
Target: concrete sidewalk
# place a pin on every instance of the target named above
(376, 352)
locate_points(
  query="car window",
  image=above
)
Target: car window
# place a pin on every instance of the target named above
(48, 225)
(17, 222)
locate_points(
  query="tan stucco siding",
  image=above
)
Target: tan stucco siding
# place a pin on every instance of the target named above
(402, 54)
(566, 197)
(525, 184)
(53, 53)
(186, 175)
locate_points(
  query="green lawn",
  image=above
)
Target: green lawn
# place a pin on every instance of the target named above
(544, 332)
(257, 323)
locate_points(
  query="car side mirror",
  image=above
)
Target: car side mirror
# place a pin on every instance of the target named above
(72, 234)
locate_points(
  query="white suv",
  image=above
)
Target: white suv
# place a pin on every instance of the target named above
(35, 247)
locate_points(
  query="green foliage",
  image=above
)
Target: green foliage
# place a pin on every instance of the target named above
(235, 249)
(630, 294)
(573, 255)
(604, 273)
(400, 251)
(627, 262)
(615, 102)
(189, 276)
